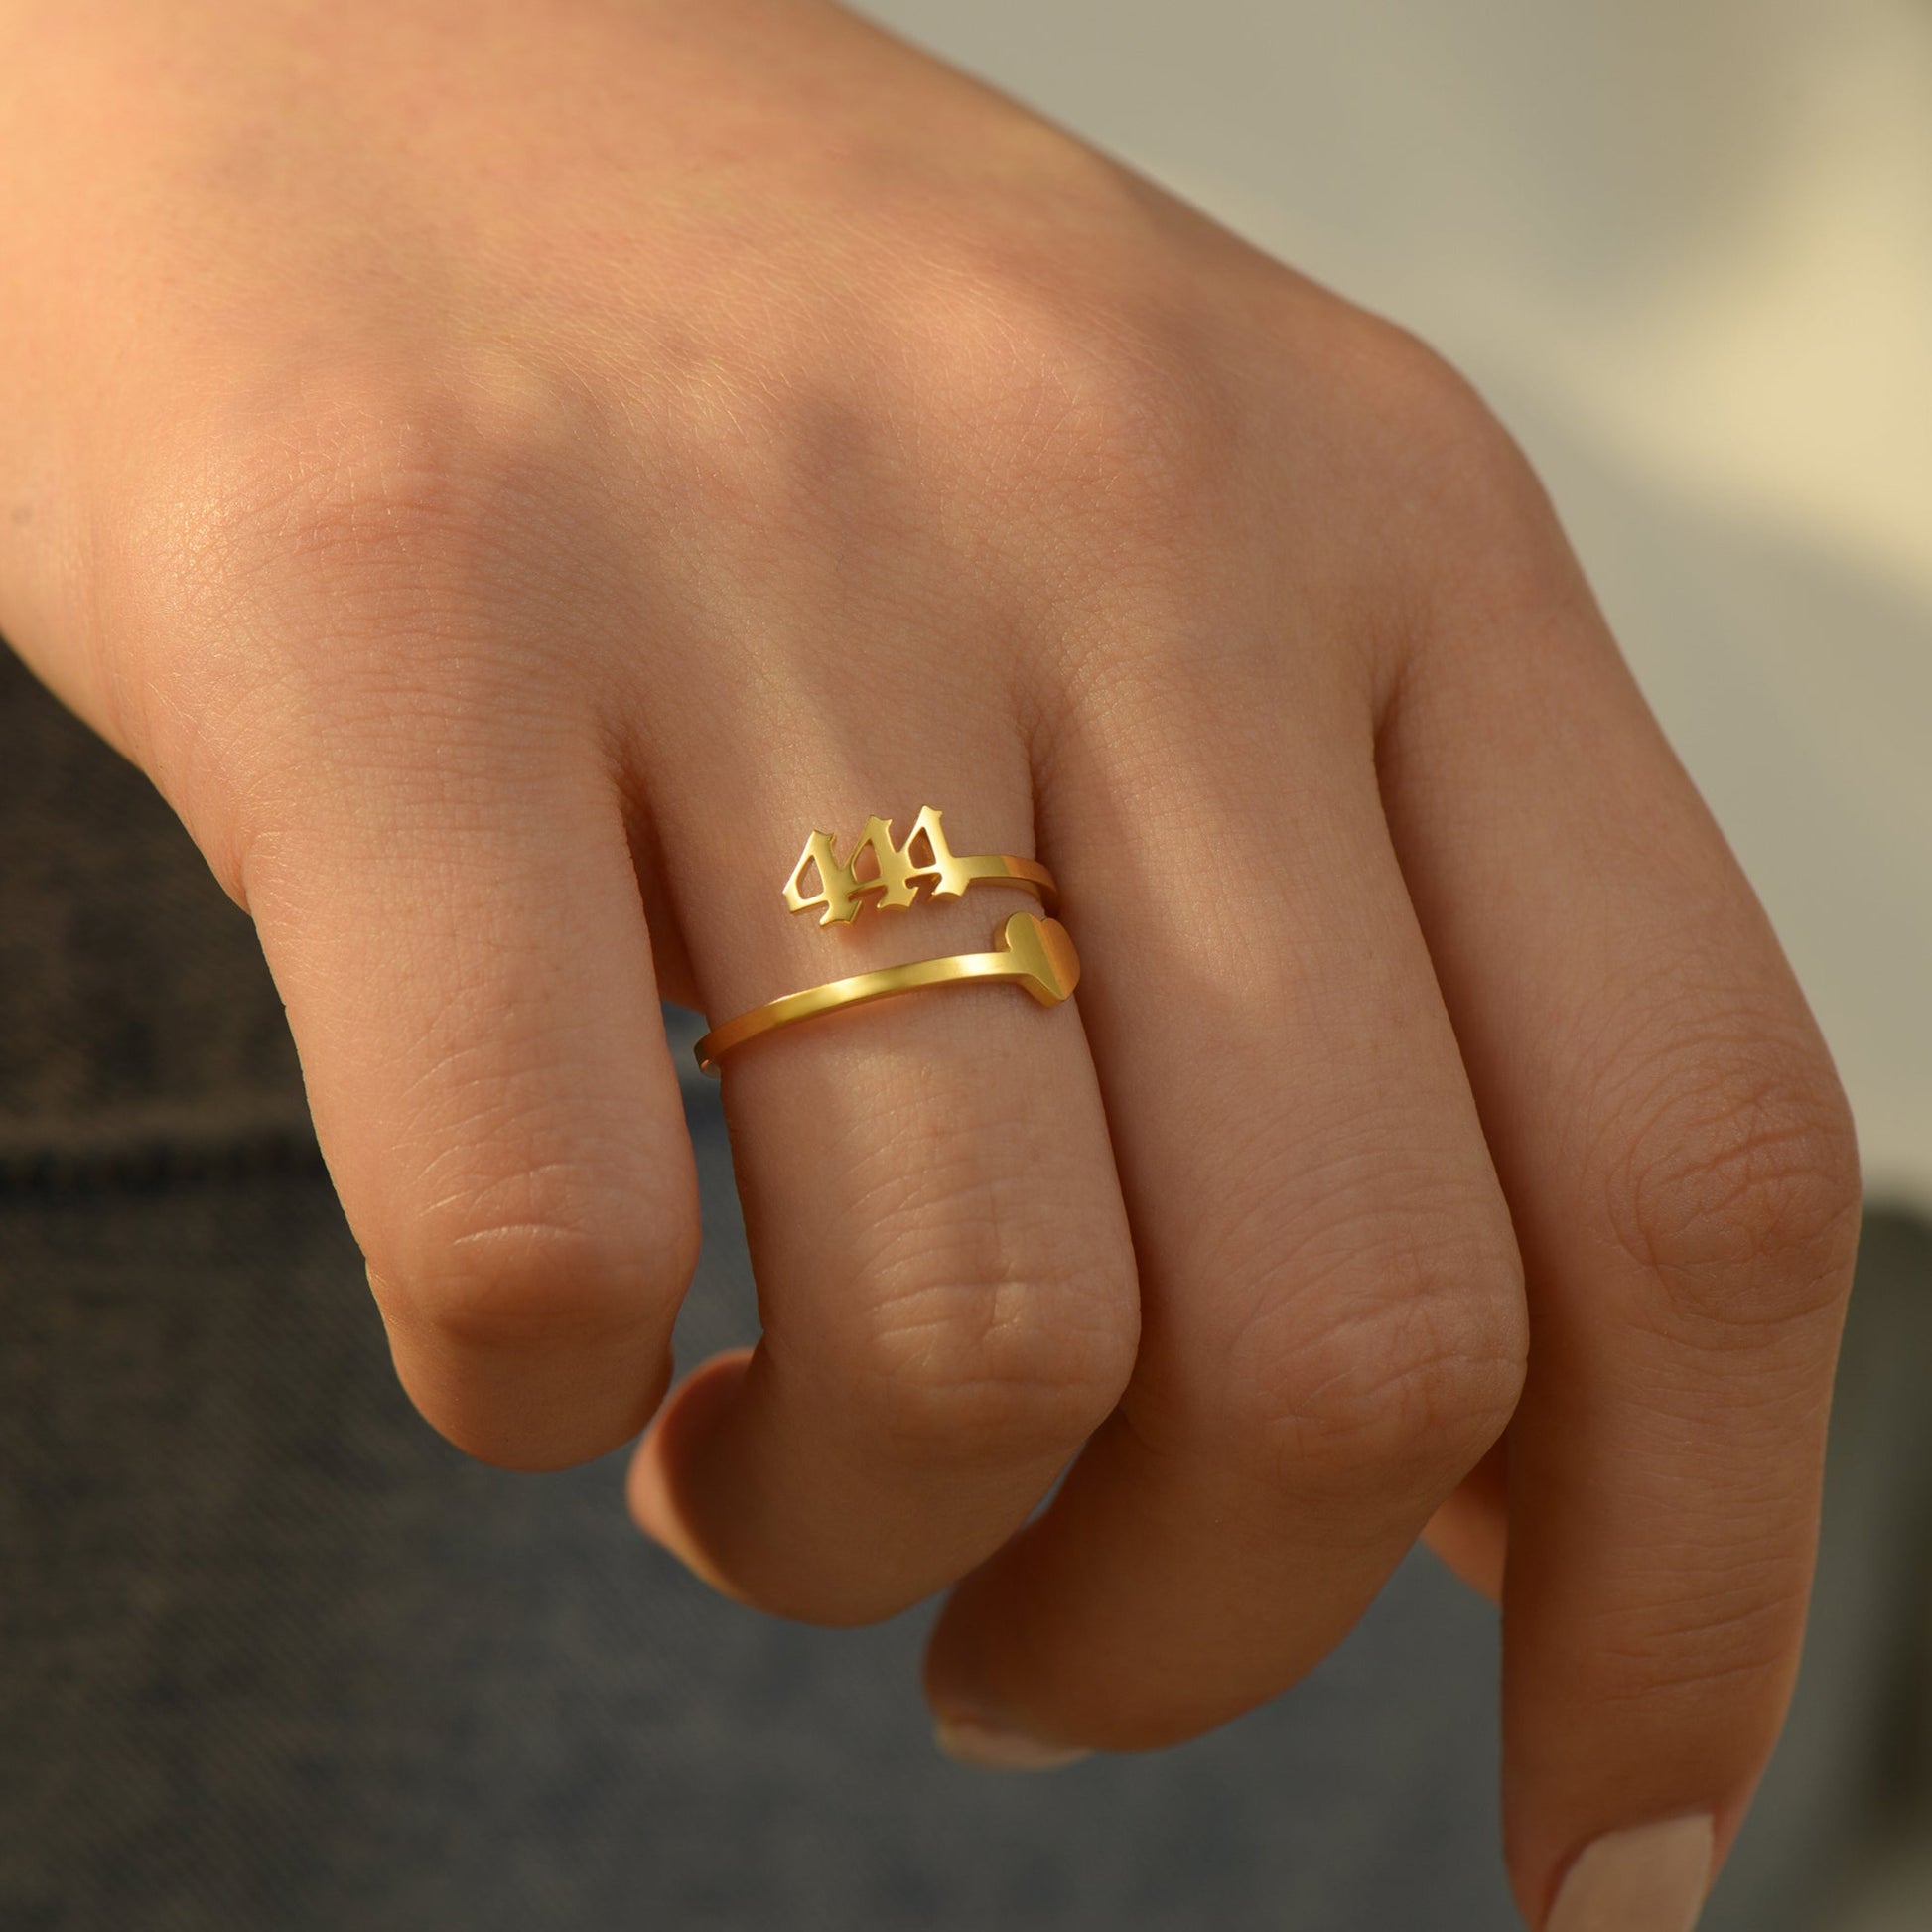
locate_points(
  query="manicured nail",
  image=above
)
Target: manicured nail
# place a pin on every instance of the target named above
(990, 1747)
(1651, 1878)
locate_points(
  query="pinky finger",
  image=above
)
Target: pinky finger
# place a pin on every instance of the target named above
(1683, 1180)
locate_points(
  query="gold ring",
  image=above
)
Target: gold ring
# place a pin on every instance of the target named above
(1036, 953)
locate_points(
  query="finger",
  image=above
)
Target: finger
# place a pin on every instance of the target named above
(944, 1274)
(1470, 1531)
(1677, 1156)
(1332, 1318)
(458, 938)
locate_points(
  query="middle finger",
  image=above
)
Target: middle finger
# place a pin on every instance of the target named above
(1334, 1325)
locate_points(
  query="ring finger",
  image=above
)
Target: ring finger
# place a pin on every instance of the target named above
(945, 1280)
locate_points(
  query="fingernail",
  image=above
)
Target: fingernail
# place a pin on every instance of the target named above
(991, 1747)
(1651, 1878)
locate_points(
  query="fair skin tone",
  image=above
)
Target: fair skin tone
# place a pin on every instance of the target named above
(507, 473)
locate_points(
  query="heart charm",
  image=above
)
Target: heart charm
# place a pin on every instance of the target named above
(1043, 950)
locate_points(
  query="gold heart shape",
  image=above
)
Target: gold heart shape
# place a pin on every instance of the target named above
(1045, 949)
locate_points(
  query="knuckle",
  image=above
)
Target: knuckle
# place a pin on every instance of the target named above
(1090, 393)
(1409, 447)
(975, 372)
(1414, 412)
(541, 1276)
(326, 572)
(1087, 398)
(995, 1365)
(1408, 1380)
(356, 533)
(375, 473)
(1738, 1182)
(992, 1335)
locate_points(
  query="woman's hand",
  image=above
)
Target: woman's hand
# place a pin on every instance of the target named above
(508, 473)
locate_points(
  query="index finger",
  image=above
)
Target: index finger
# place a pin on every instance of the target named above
(457, 931)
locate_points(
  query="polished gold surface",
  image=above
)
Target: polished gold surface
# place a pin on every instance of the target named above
(1035, 953)
(1031, 952)
(897, 870)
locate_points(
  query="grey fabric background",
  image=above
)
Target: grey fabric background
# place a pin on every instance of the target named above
(272, 1655)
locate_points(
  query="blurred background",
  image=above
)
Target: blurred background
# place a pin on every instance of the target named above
(273, 1655)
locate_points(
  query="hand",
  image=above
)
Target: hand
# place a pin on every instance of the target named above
(509, 473)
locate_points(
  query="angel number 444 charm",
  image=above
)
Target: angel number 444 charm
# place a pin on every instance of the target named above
(1031, 952)
(891, 876)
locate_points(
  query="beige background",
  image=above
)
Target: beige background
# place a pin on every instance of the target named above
(1685, 246)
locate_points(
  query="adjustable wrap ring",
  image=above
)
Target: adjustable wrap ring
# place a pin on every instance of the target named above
(1031, 952)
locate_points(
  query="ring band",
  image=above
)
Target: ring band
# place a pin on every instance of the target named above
(1035, 953)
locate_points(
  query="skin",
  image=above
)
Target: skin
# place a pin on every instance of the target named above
(507, 473)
